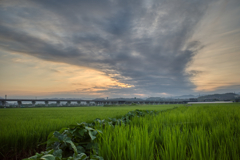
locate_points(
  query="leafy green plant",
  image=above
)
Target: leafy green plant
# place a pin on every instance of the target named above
(78, 141)
(73, 143)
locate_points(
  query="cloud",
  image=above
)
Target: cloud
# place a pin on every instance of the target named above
(146, 45)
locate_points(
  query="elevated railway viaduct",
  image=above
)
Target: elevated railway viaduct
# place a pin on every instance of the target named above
(92, 102)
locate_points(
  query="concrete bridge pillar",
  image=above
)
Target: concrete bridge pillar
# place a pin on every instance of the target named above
(79, 103)
(19, 103)
(46, 103)
(68, 103)
(3, 103)
(33, 103)
(88, 103)
(58, 103)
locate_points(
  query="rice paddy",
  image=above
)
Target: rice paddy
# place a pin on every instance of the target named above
(202, 132)
(22, 129)
(196, 132)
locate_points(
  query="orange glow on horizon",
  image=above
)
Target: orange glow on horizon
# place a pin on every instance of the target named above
(40, 77)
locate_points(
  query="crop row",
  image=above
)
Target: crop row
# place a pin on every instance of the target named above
(22, 129)
(78, 142)
(209, 132)
(197, 132)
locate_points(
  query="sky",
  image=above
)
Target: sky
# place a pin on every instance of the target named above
(118, 48)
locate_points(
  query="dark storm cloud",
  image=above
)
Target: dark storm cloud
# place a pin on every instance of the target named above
(142, 43)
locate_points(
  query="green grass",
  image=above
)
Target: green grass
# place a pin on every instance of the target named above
(198, 132)
(22, 129)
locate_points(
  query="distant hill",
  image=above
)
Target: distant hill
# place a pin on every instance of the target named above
(154, 98)
(127, 99)
(99, 99)
(61, 98)
(175, 97)
(218, 97)
(185, 96)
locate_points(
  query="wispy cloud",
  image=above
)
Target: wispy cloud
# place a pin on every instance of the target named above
(145, 46)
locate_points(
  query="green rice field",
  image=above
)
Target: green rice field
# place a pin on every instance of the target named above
(188, 132)
(22, 129)
(197, 132)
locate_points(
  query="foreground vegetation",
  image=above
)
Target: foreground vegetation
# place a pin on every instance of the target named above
(78, 142)
(22, 129)
(198, 132)
(205, 131)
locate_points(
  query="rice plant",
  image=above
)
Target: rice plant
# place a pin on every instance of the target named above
(198, 132)
(23, 129)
